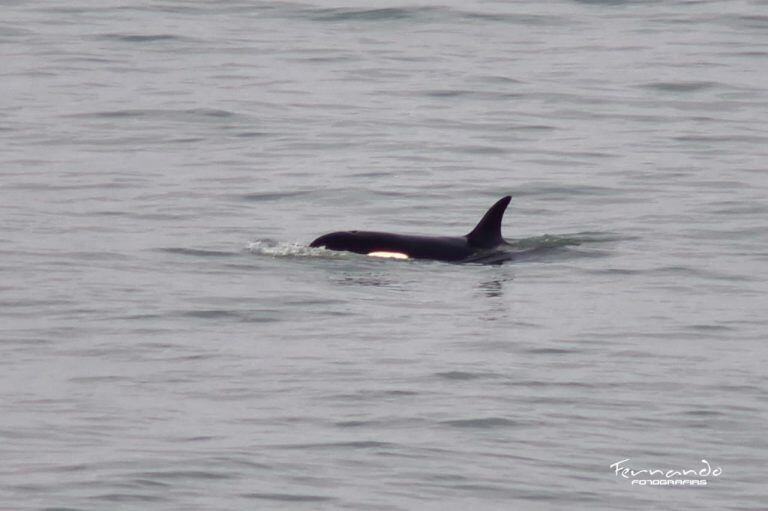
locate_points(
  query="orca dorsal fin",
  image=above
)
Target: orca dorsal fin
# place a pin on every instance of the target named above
(487, 234)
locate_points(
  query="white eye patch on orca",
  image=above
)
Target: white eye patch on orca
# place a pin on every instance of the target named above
(389, 255)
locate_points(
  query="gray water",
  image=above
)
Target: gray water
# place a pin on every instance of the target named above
(168, 341)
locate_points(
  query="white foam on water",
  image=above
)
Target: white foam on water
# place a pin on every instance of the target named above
(287, 249)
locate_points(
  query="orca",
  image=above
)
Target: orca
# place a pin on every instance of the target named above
(483, 244)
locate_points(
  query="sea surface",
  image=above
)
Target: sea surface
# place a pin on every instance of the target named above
(169, 342)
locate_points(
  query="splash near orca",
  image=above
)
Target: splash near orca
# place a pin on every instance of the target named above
(483, 244)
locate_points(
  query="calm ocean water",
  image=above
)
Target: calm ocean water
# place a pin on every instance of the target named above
(168, 342)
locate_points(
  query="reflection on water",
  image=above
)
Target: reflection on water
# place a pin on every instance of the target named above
(492, 288)
(366, 280)
(493, 297)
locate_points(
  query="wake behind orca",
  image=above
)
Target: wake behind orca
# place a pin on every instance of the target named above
(484, 244)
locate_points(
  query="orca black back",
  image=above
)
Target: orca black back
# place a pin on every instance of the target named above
(484, 238)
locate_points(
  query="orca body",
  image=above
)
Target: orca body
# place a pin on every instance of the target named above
(483, 244)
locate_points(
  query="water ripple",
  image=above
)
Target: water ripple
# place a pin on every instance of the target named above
(143, 38)
(288, 497)
(487, 423)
